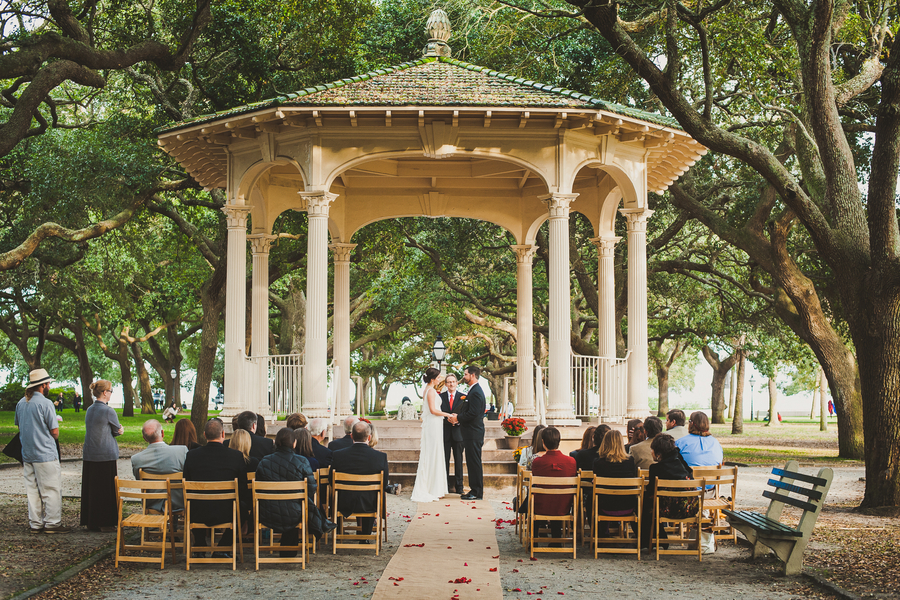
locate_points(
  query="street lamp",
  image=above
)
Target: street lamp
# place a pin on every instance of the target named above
(752, 381)
(438, 351)
(174, 374)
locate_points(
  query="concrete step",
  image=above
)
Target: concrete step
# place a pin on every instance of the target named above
(413, 455)
(493, 467)
(386, 443)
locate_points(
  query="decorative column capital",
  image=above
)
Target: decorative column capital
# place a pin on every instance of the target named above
(558, 204)
(236, 215)
(318, 203)
(524, 252)
(260, 243)
(342, 252)
(606, 245)
(637, 219)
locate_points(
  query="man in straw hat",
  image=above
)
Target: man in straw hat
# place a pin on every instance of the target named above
(38, 432)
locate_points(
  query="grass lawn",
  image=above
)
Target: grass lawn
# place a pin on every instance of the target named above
(71, 430)
(799, 439)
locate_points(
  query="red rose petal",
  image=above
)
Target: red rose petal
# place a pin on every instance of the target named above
(498, 556)
(492, 569)
(471, 540)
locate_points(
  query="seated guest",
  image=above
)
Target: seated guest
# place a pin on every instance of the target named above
(240, 441)
(552, 464)
(346, 441)
(360, 459)
(632, 423)
(318, 428)
(185, 434)
(295, 421)
(283, 516)
(669, 465)
(373, 437)
(259, 446)
(675, 424)
(159, 459)
(699, 448)
(303, 447)
(216, 462)
(612, 461)
(643, 456)
(584, 459)
(535, 449)
(261, 426)
(587, 441)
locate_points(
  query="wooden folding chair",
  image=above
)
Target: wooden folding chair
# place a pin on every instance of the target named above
(176, 516)
(562, 486)
(586, 479)
(280, 491)
(523, 492)
(356, 483)
(612, 486)
(323, 487)
(687, 490)
(213, 490)
(724, 480)
(141, 491)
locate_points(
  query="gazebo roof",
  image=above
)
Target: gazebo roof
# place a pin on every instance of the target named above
(433, 81)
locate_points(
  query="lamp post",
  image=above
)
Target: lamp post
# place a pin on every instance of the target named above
(752, 381)
(174, 374)
(438, 351)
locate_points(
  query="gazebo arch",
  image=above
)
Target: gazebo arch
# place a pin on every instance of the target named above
(468, 142)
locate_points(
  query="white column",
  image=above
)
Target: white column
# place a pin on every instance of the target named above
(235, 309)
(637, 311)
(560, 410)
(259, 318)
(606, 294)
(524, 333)
(342, 322)
(315, 387)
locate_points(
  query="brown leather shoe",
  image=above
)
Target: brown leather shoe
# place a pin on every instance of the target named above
(57, 529)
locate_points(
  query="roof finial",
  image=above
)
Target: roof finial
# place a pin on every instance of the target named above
(438, 30)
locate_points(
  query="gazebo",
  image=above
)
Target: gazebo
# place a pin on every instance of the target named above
(434, 137)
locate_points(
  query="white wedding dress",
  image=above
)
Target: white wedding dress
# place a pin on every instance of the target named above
(431, 475)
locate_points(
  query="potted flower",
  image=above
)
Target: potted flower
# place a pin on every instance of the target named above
(514, 428)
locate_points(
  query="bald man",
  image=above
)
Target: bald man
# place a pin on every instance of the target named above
(160, 459)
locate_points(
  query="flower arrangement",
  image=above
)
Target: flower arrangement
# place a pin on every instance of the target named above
(517, 453)
(514, 426)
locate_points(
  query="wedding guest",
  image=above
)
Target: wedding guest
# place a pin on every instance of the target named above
(261, 426)
(669, 465)
(613, 462)
(360, 459)
(528, 454)
(159, 459)
(643, 456)
(259, 446)
(632, 423)
(100, 453)
(304, 447)
(587, 441)
(318, 428)
(553, 463)
(283, 516)
(295, 421)
(240, 441)
(373, 438)
(584, 459)
(699, 448)
(675, 424)
(344, 442)
(185, 434)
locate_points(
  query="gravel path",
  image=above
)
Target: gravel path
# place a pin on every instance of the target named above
(355, 573)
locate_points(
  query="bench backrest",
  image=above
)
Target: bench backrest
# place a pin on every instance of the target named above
(812, 495)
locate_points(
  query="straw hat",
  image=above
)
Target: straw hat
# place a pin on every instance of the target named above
(38, 377)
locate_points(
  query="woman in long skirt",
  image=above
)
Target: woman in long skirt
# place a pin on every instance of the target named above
(98, 474)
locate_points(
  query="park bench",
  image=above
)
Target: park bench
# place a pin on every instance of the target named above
(788, 542)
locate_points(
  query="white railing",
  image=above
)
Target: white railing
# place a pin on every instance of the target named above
(285, 383)
(599, 388)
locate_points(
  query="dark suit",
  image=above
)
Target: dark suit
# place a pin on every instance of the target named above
(453, 442)
(471, 422)
(322, 454)
(260, 447)
(215, 462)
(360, 459)
(340, 443)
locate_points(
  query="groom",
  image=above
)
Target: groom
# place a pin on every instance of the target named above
(453, 402)
(471, 422)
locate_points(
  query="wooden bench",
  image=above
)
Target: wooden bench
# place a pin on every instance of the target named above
(788, 542)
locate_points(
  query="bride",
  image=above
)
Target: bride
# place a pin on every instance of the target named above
(431, 475)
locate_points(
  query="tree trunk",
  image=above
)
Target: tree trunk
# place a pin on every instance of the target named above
(720, 372)
(127, 387)
(212, 301)
(732, 389)
(85, 373)
(773, 401)
(737, 425)
(662, 382)
(147, 407)
(823, 404)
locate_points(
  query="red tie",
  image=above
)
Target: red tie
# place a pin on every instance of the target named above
(451, 400)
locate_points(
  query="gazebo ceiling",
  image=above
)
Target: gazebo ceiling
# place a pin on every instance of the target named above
(411, 95)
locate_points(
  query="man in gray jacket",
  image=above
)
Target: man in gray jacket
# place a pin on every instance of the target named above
(38, 432)
(159, 459)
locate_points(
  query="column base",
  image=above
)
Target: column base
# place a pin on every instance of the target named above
(316, 413)
(639, 412)
(565, 422)
(526, 413)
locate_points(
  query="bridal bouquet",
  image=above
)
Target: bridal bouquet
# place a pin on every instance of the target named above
(514, 426)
